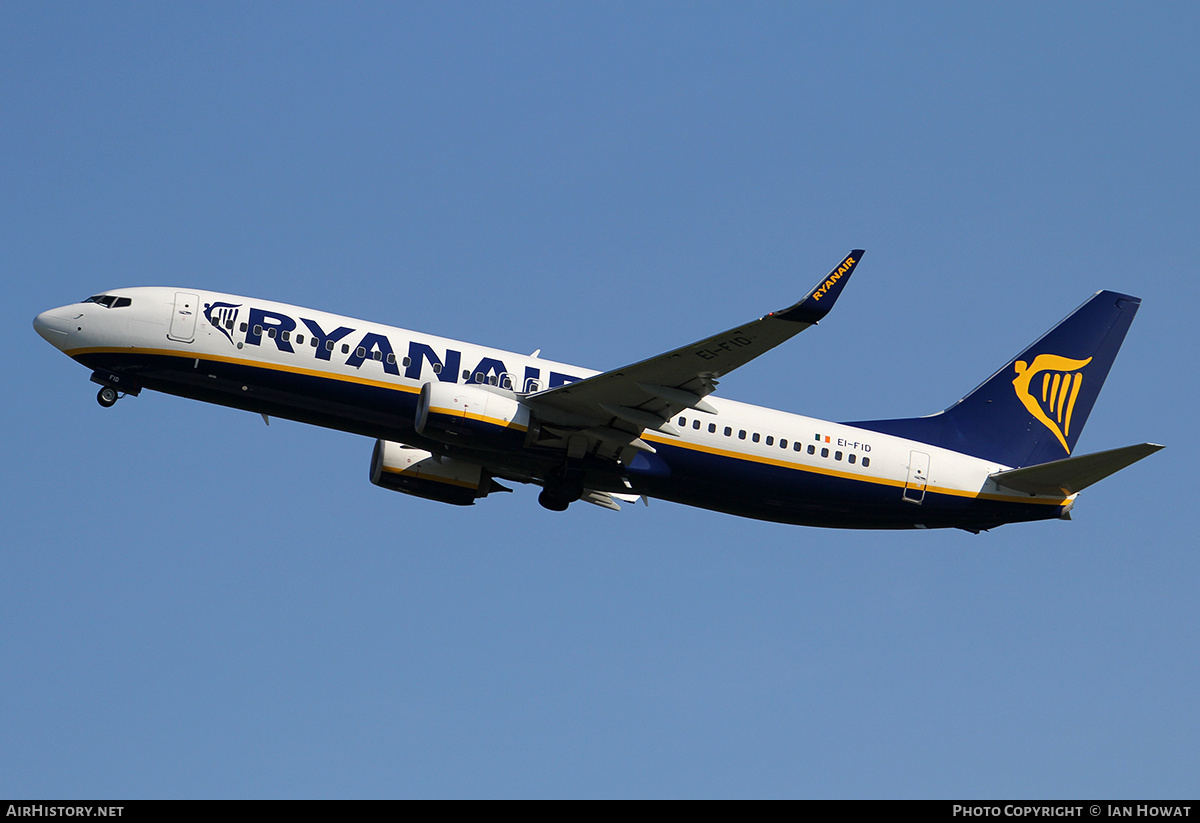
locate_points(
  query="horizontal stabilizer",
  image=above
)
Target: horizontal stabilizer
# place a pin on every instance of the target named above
(1072, 474)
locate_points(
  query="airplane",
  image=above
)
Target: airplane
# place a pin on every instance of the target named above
(451, 419)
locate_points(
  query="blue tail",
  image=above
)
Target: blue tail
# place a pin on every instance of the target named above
(1033, 409)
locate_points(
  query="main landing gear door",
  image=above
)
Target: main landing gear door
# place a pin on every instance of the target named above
(183, 317)
(918, 477)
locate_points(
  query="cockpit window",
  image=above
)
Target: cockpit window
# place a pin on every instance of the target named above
(109, 301)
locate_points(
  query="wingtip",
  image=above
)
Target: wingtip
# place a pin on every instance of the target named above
(818, 302)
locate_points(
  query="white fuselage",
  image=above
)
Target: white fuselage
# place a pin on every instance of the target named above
(315, 366)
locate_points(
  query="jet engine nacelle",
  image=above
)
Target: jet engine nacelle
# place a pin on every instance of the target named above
(471, 415)
(402, 468)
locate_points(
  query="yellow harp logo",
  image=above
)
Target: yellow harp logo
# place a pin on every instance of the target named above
(1058, 387)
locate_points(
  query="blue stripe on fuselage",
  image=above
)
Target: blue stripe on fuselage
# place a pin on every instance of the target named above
(793, 494)
(693, 476)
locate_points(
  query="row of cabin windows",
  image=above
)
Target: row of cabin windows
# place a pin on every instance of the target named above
(505, 382)
(769, 440)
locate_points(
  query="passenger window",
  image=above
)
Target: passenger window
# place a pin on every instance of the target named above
(360, 352)
(244, 327)
(728, 432)
(837, 455)
(283, 336)
(683, 421)
(492, 380)
(271, 333)
(258, 331)
(229, 324)
(754, 437)
(712, 428)
(314, 342)
(741, 434)
(696, 424)
(345, 348)
(406, 362)
(782, 443)
(391, 359)
(506, 383)
(866, 462)
(437, 368)
(812, 449)
(770, 440)
(377, 355)
(299, 340)
(797, 447)
(824, 452)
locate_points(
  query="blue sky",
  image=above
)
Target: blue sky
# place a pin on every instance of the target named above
(195, 605)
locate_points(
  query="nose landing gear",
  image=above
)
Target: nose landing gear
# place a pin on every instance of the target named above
(113, 387)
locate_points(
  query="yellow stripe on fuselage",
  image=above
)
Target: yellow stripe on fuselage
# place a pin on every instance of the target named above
(862, 478)
(258, 364)
(654, 438)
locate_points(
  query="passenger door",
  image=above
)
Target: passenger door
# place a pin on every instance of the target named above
(183, 317)
(918, 477)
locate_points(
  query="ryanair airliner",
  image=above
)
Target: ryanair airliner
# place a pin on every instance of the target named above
(451, 419)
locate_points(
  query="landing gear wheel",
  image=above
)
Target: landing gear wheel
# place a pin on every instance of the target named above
(561, 488)
(106, 397)
(553, 503)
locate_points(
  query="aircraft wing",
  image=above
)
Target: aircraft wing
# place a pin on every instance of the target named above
(614, 407)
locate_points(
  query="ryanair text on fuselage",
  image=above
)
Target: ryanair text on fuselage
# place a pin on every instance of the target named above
(376, 347)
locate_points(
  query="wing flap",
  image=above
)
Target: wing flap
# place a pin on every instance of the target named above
(608, 500)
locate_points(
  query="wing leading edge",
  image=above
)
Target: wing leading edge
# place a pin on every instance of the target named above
(612, 409)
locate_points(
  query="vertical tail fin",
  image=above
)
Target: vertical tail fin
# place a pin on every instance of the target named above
(1032, 410)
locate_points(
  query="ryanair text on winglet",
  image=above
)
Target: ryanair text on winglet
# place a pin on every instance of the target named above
(847, 264)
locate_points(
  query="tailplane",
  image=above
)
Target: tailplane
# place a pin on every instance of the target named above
(1032, 410)
(1072, 474)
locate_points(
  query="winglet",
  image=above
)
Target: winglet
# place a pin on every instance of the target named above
(820, 300)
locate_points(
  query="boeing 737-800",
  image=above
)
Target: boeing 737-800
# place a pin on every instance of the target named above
(450, 418)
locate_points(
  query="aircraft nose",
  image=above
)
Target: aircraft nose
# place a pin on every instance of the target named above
(53, 326)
